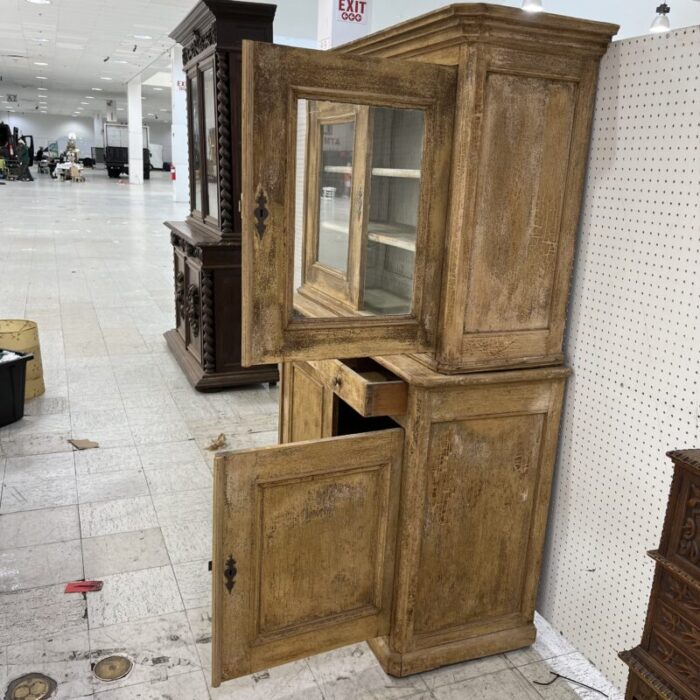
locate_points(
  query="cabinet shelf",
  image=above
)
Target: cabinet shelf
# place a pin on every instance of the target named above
(393, 234)
(410, 173)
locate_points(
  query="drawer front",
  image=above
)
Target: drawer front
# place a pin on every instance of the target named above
(180, 291)
(676, 626)
(365, 385)
(193, 313)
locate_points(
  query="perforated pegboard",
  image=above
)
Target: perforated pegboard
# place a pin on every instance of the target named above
(633, 343)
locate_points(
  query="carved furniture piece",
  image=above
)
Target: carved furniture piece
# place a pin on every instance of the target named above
(666, 665)
(406, 223)
(206, 339)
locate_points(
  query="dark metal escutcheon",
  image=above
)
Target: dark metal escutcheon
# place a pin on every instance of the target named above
(230, 573)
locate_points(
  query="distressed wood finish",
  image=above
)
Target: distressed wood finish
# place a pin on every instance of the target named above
(365, 385)
(306, 404)
(274, 78)
(508, 100)
(311, 528)
(525, 102)
(211, 245)
(667, 662)
(478, 454)
(478, 467)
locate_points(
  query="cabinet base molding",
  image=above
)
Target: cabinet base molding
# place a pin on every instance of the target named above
(216, 381)
(406, 664)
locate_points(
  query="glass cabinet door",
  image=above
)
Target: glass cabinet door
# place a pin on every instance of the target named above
(345, 187)
(204, 156)
(211, 156)
(195, 146)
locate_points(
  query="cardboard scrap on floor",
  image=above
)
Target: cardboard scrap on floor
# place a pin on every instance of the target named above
(83, 444)
(218, 443)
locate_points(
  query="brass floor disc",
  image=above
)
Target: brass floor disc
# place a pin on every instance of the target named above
(112, 668)
(32, 686)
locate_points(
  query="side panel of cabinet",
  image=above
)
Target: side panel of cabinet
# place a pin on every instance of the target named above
(306, 405)
(304, 548)
(476, 509)
(515, 207)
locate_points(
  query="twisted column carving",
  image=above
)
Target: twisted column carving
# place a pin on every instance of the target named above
(208, 337)
(223, 111)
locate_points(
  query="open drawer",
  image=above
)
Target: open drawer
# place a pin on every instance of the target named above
(304, 548)
(367, 386)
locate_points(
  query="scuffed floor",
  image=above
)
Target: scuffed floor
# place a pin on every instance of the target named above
(91, 263)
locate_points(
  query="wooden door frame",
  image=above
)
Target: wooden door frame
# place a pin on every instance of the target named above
(274, 79)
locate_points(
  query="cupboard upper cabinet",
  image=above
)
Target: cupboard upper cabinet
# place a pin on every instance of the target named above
(426, 204)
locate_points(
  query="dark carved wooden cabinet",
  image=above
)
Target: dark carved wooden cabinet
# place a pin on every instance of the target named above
(206, 340)
(666, 665)
(409, 205)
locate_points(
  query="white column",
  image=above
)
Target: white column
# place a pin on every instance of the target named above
(180, 154)
(135, 131)
(97, 130)
(340, 21)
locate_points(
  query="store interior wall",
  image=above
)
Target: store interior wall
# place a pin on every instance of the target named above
(46, 128)
(160, 132)
(633, 336)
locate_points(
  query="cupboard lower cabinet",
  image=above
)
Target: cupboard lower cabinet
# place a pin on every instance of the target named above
(404, 507)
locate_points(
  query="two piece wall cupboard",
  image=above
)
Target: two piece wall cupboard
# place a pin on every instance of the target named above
(409, 210)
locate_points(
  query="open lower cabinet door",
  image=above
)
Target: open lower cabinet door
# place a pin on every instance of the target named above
(304, 549)
(346, 179)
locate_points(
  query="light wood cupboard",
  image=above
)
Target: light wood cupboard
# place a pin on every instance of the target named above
(409, 209)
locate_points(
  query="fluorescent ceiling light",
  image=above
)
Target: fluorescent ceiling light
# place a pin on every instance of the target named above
(40, 2)
(122, 62)
(42, 89)
(96, 89)
(84, 103)
(40, 63)
(41, 40)
(120, 109)
(89, 97)
(158, 89)
(532, 5)
(41, 77)
(142, 36)
(104, 77)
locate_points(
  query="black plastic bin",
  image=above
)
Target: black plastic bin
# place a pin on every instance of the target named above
(12, 374)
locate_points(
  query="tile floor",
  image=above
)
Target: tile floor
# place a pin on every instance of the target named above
(91, 264)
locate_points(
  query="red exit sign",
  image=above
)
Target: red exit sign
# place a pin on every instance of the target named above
(351, 11)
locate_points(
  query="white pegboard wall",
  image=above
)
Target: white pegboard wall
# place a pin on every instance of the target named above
(633, 343)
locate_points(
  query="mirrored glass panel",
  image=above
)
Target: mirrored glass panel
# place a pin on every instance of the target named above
(212, 161)
(196, 145)
(358, 186)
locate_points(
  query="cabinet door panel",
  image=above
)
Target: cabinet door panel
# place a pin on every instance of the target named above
(280, 84)
(306, 404)
(304, 543)
(193, 305)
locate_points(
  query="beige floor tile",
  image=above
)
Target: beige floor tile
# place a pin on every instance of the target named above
(26, 528)
(124, 551)
(40, 565)
(122, 515)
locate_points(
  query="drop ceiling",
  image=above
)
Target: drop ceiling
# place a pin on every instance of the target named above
(74, 37)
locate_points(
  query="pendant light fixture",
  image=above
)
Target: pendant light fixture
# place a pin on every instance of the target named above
(661, 22)
(533, 6)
